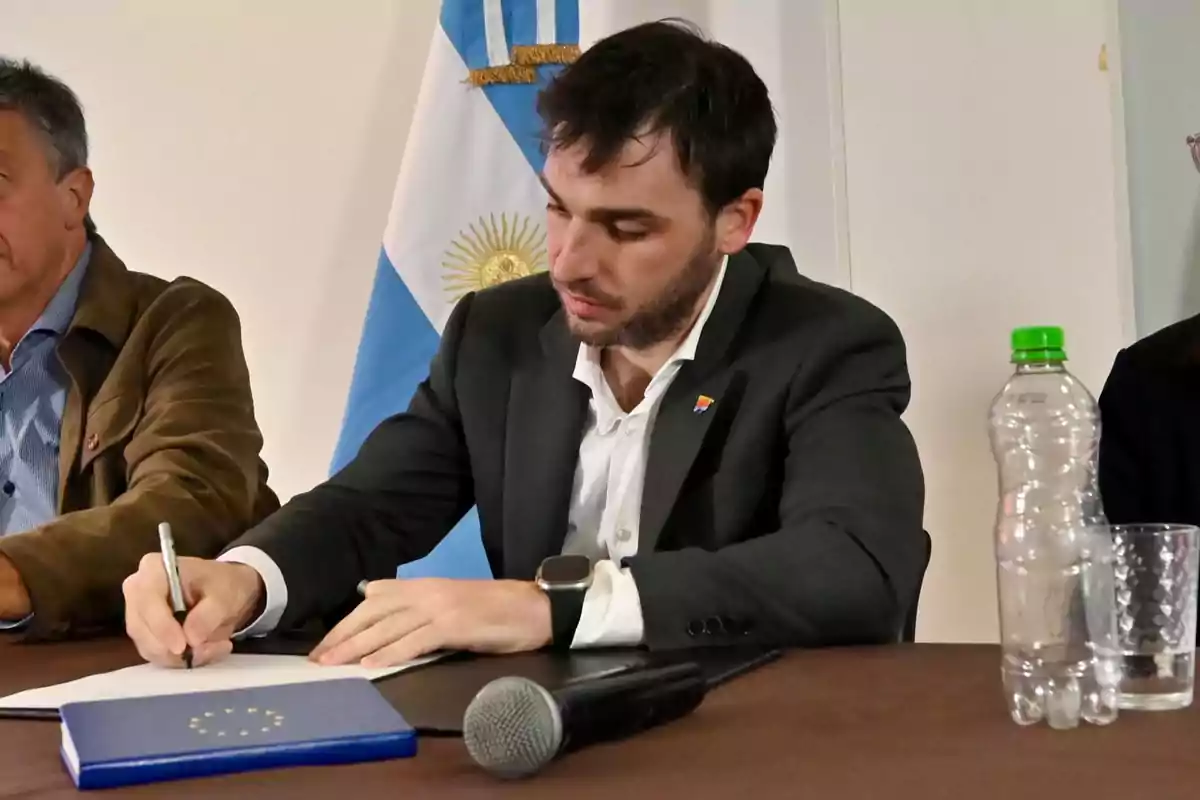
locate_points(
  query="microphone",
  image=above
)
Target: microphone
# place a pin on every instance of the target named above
(514, 726)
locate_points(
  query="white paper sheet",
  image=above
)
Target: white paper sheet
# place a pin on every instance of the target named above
(238, 671)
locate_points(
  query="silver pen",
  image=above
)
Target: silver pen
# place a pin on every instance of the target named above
(171, 567)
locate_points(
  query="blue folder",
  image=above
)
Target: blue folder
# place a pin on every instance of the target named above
(109, 743)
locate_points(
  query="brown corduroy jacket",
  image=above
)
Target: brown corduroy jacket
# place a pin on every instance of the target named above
(158, 426)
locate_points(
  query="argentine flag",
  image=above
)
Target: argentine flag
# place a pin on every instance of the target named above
(468, 212)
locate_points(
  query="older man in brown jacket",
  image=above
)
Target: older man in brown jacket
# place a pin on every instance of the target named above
(124, 399)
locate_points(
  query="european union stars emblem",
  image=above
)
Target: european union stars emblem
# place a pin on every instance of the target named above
(236, 722)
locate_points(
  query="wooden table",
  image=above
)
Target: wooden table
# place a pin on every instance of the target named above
(922, 721)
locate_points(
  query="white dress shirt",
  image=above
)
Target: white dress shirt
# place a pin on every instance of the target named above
(606, 500)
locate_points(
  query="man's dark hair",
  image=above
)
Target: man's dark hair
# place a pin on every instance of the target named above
(666, 78)
(53, 110)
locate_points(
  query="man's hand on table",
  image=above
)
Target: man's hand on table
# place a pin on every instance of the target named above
(403, 619)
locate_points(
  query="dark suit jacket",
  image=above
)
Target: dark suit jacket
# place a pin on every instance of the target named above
(788, 513)
(1150, 435)
(158, 425)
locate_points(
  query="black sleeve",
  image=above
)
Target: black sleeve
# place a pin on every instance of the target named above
(1132, 444)
(407, 487)
(844, 565)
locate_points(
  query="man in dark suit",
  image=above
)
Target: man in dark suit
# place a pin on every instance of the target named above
(673, 439)
(1148, 469)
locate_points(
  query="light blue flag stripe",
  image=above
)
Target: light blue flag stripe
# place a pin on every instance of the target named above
(398, 340)
(397, 345)
(385, 377)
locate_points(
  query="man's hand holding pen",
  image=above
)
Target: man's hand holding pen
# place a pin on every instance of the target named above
(397, 620)
(223, 598)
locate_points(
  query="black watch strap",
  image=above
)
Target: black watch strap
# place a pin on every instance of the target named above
(566, 605)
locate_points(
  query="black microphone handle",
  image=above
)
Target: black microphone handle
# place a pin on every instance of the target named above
(610, 708)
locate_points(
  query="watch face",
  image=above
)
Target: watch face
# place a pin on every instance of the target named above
(565, 569)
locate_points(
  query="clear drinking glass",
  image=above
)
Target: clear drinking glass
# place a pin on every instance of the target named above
(1155, 567)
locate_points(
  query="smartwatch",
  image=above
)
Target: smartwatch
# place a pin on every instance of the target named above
(565, 580)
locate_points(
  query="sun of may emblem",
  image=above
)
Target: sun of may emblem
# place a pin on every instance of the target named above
(492, 251)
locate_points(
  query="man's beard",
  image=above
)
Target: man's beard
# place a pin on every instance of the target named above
(666, 315)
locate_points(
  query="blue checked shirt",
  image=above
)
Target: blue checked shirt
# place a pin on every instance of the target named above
(32, 393)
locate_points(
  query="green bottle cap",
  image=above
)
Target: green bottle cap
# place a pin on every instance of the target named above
(1038, 344)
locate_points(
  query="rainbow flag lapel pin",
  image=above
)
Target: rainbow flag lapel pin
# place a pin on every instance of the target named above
(702, 404)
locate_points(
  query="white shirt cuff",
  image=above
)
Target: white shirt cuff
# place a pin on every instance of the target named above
(276, 588)
(612, 610)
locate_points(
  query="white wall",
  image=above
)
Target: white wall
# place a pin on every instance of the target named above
(1160, 70)
(253, 146)
(982, 196)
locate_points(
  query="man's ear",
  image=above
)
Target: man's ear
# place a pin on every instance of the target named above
(735, 222)
(75, 194)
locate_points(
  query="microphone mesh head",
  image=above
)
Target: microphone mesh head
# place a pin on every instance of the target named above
(512, 728)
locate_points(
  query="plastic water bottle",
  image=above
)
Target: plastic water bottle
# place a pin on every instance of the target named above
(1055, 569)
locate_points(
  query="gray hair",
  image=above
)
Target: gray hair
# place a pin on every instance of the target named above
(53, 110)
